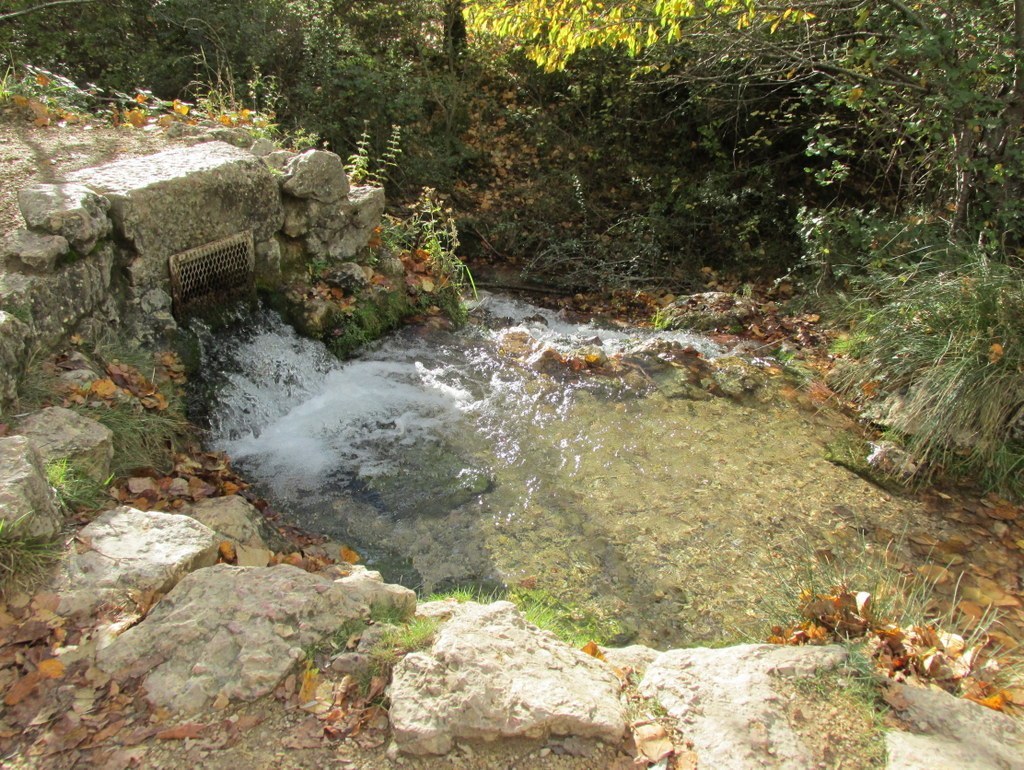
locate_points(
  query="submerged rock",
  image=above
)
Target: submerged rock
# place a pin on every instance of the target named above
(727, 703)
(489, 674)
(235, 633)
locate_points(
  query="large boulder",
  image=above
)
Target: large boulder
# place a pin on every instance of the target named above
(127, 550)
(316, 174)
(728, 704)
(61, 434)
(489, 674)
(234, 633)
(27, 251)
(72, 211)
(949, 733)
(185, 197)
(232, 517)
(26, 500)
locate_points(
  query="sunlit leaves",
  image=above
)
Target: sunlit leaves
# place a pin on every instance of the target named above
(552, 31)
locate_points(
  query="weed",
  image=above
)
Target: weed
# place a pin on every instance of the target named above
(665, 318)
(142, 438)
(398, 641)
(76, 490)
(851, 451)
(943, 348)
(363, 169)
(386, 613)
(23, 559)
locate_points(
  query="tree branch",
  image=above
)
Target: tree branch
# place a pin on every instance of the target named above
(11, 14)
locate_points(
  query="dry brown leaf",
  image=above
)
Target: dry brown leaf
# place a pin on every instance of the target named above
(51, 668)
(104, 388)
(181, 732)
(348, 555)
(593, 650)
(22, 688)
(652, 742)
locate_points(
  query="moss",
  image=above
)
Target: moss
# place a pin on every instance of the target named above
(373, 317)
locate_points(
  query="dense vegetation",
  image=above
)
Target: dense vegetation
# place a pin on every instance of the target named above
(871, 150)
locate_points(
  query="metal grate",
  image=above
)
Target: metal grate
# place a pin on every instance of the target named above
(209, 274)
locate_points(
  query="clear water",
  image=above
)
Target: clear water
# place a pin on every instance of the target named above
(448, 458)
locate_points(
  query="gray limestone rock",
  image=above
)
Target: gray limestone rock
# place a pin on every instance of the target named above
(367, 206)
(56, 303)
(278, 160)
(268, 259)
(61, 434)
(950, 733)
(14, 342)
(232, 518)
(725, 702)
(26, 500)
(262, 147)
(489, 674)
(71, 210)
(316, 174)
(236, 632)
(185, 197)
(131, 550)
(636, 656)
(348, 276)
(28, 251)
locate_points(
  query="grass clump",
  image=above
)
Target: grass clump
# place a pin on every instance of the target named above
(76, 490)
(398, 641)
(573, 624)
(24, 559)
(941, 345)
(143, 438)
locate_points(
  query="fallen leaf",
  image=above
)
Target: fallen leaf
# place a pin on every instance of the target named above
(593, 650)
(51, 668)
(995, 353)
(652, 742)
(22, 688)
(348, 555)
(310, 680)
(181, 732)
(104, 388)
(227, 553)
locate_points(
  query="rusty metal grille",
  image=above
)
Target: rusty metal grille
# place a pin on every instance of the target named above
(209, 274)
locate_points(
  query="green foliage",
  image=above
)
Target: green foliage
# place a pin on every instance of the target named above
(571, 623)
(23, 559)
(944, 339)
(76, 490)
(362, 169)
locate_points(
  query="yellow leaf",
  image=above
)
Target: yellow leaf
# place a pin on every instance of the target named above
(141, 98)
(42, 80)
(51, 668)
(593, 650)
(348, 555)
(310, 680)
(180, 107)
(104, 388)
(995, 352)
(20, 100)
(855, 94)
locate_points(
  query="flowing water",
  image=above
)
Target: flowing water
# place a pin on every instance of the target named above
(449, 458)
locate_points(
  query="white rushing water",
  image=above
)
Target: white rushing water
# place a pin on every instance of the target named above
(301, 422)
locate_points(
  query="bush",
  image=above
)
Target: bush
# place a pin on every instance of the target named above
(943, 346)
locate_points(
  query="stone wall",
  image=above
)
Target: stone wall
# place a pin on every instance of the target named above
(95, 249)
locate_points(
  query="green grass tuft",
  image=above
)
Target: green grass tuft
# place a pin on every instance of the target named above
(76, 491)
(23, 560)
